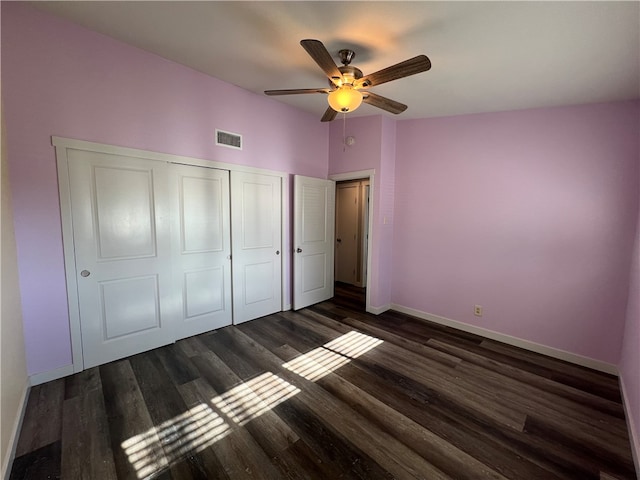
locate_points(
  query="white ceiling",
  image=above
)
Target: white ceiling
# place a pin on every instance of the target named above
(486, 56)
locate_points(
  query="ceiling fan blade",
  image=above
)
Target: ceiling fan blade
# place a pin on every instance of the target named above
(383, 102)
(329, 115)
(297, 91)
(322, 57)
(414, 65)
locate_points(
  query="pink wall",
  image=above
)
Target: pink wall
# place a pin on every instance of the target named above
(374, 149)
(630, 357)
(530, 214)
(60, 79)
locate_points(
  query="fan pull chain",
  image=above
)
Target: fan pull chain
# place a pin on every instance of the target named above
(344, 132)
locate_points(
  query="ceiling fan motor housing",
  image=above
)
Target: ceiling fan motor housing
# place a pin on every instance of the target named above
(349, 76)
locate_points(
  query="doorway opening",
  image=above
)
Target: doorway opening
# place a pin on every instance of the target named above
(352, 242)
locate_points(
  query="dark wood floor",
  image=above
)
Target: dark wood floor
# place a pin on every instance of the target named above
(328, 392)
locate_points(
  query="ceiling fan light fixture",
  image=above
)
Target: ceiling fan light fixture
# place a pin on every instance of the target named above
(345, 99)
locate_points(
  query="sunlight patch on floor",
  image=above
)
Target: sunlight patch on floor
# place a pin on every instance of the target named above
(201, 426)
(254, 397)
(160, 446)
(323, 360)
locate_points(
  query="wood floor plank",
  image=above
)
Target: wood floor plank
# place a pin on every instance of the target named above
(615, 460)
(580, 377)
(332, 454)
(177, 364)
(392, 455)
(135, 446)
(81, 383)
(407, 364)
(268, 429)
(43, 462)
(300, 461)
(433, 396)
(298, 411)
(449, 421)
(440, 453)
(42, 424)
(329, 392)
(565, 415)
(557, 390)
(191, 346)
(226, 375)
(86, 444)
(426, 351)
(169, 415)
(234, 447)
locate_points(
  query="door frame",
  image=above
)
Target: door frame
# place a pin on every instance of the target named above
(63, 145)
(372, 274)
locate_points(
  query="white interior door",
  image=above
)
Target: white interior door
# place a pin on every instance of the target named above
(313, 236)
(256, 235)
(120, 211)
(347, 201)
(201, 248)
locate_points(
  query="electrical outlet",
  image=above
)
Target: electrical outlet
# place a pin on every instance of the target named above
(477, 310)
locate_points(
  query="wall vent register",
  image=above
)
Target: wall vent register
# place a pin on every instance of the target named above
(228, 139)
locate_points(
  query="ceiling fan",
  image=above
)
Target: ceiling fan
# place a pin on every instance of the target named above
(348, 88)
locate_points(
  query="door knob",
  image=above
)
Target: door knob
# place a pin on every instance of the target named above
(339, 240)
(85, 273)
(299, 250)
(277, 252)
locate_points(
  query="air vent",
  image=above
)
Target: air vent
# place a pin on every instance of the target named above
(228, 139)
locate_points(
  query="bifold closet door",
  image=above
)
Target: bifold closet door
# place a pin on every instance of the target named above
(152, 246)
(256, 226)
(120, 210)
(201, 248)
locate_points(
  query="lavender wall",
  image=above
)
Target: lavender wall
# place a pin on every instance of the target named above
(384, 216)
(530, 214)
(60, 79)
(630, 357)
(374, 148)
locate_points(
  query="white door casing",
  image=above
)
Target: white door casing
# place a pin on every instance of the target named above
(201, 248)
(313, 238)
(121, 229)
(347, 227)
(365, 231)
(370, 237)
(256, 236)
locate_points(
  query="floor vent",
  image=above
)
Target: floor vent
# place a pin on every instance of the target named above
(228, 139)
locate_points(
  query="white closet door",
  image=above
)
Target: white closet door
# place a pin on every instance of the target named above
(120, 211)
(313, 238)
(201, 248)
(256, 231)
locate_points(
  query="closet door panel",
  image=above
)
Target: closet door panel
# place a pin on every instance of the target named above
(256, 223)
(121, 234)
(202, 248)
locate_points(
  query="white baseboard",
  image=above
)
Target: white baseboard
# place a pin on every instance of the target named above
(634, 436)
(379, 310)
(515, 341)
(45, 377)
(13, 438)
